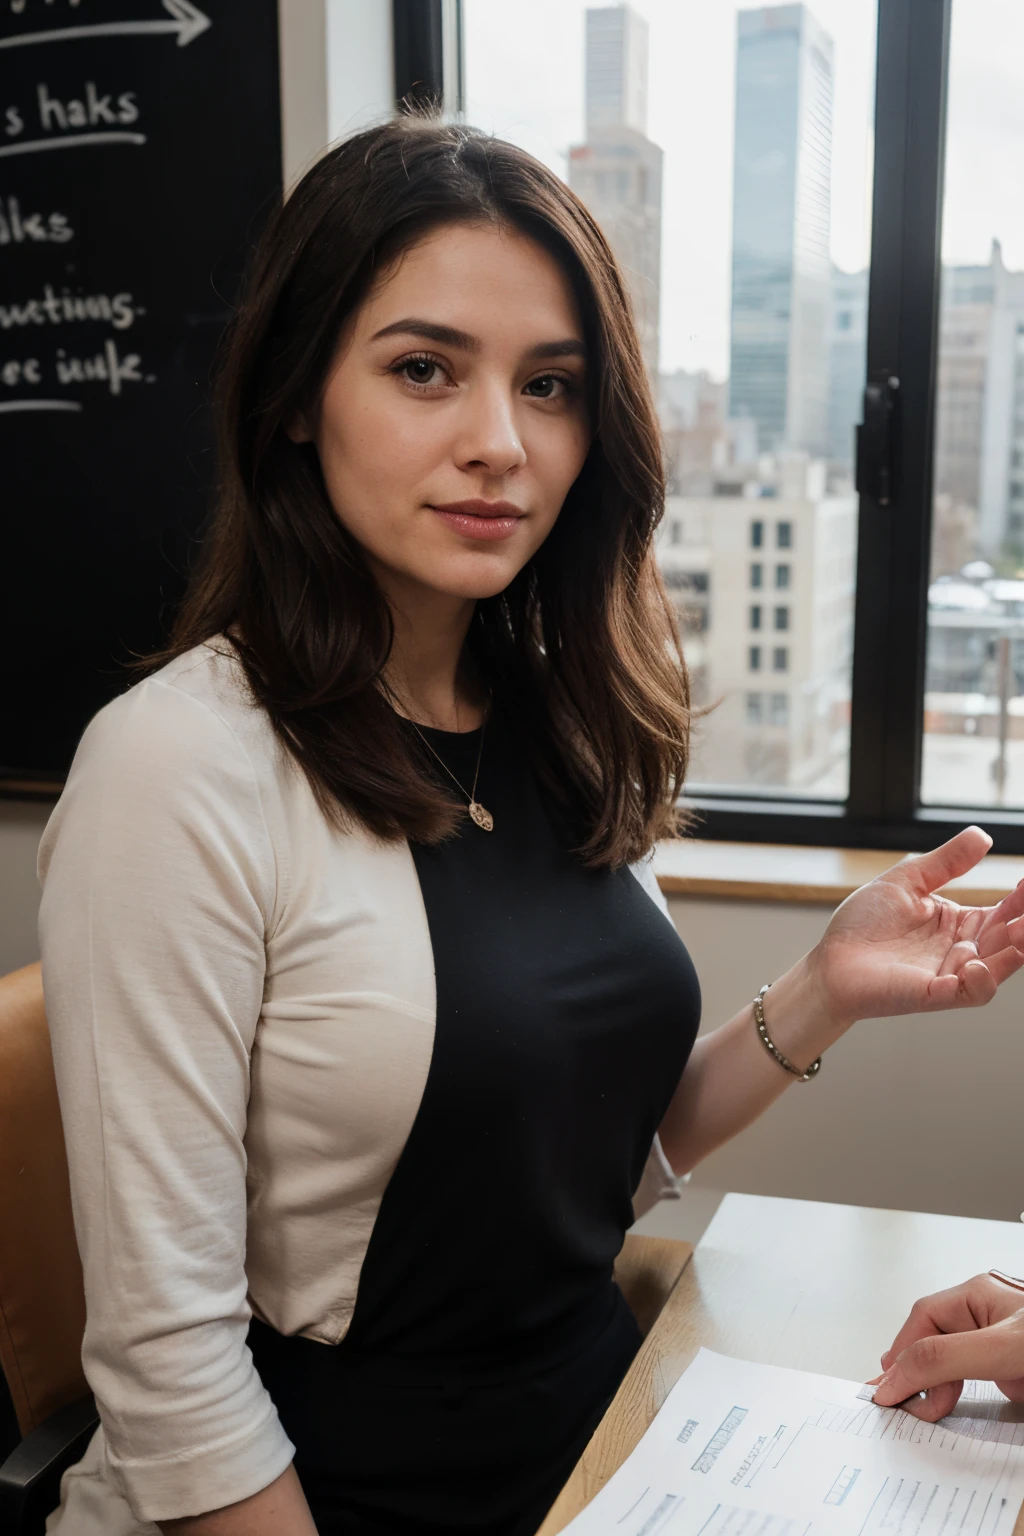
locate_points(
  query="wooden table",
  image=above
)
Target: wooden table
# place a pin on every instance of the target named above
(790, 1282)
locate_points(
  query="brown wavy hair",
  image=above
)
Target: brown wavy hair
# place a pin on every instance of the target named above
(582, 645)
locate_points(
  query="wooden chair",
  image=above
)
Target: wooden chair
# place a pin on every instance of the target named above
(42, 1305)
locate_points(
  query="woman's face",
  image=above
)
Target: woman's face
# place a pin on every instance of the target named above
(453, 421)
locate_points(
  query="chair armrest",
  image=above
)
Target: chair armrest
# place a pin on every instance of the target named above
(30, 1477)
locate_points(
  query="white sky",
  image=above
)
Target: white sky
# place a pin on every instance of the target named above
(524, 67)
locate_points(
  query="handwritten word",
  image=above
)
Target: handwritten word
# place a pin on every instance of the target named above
(18, 228)
(107, 367)
(118, 310)
(20, 370)
(95, 109)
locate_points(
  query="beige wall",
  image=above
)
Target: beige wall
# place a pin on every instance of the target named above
(921, 1113)
(21, 825)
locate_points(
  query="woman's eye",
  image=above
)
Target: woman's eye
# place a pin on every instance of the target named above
(420, 370)
(547, 387)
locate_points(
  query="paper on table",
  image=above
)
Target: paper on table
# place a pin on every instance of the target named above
(757, 1450)
(981, 1413)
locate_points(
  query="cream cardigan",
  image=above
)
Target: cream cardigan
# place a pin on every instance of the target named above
(241, 1000)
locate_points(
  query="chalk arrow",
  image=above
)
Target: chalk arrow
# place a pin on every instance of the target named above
(185, 19)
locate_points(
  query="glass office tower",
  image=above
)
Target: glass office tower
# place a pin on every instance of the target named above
(781, 273)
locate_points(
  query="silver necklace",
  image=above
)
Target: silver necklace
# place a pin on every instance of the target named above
(479, 813)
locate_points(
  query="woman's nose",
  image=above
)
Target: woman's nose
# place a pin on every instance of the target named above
(489, 436)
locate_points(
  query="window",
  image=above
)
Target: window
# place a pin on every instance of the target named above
(753, 709)
(755, 616)
(756, 378)
(782, 618)
(759, 378)
(779, 709)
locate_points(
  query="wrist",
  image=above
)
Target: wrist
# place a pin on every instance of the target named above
(799, 1015)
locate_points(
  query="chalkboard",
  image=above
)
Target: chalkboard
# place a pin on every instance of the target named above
(140, 153)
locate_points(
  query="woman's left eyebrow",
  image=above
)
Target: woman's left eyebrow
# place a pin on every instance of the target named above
(568, 347)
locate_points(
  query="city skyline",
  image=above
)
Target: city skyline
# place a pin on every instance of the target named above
(526, 94)
(529, 95)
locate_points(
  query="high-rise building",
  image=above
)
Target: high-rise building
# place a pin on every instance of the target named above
(1001, 470)
(617, 172)
(616, 69)
(781, 267)
(965, 318)
(762, 576)
(691, 411)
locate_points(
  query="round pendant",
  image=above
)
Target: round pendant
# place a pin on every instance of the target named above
(483, 818)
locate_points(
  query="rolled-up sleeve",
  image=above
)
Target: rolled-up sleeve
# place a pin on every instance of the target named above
(159, 879)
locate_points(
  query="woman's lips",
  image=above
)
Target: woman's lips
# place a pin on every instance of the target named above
(481, 519)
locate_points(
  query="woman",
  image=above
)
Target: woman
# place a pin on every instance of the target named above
(369, 1031)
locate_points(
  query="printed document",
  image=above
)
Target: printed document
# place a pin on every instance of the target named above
(757, 1450)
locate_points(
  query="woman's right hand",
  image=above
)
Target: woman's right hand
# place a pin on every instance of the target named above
(973, 1331)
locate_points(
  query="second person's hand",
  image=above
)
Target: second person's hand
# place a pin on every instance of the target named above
(974, 1331)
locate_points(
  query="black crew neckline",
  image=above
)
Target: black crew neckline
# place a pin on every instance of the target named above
(435, 730)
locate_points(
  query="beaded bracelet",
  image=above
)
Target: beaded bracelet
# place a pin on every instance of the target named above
(772, 1048)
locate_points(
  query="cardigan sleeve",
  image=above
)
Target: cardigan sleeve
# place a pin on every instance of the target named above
(158, 878)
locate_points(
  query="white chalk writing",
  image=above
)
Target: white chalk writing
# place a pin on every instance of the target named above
(64, 307)
(21, 226)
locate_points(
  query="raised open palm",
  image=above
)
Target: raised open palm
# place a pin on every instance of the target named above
(895, 947)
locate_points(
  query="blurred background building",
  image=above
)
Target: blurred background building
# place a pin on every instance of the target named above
(617, 171)
(781, 264)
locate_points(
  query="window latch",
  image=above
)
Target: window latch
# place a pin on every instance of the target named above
(876, 441)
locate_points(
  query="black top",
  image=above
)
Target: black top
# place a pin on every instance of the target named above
(566, 1009)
